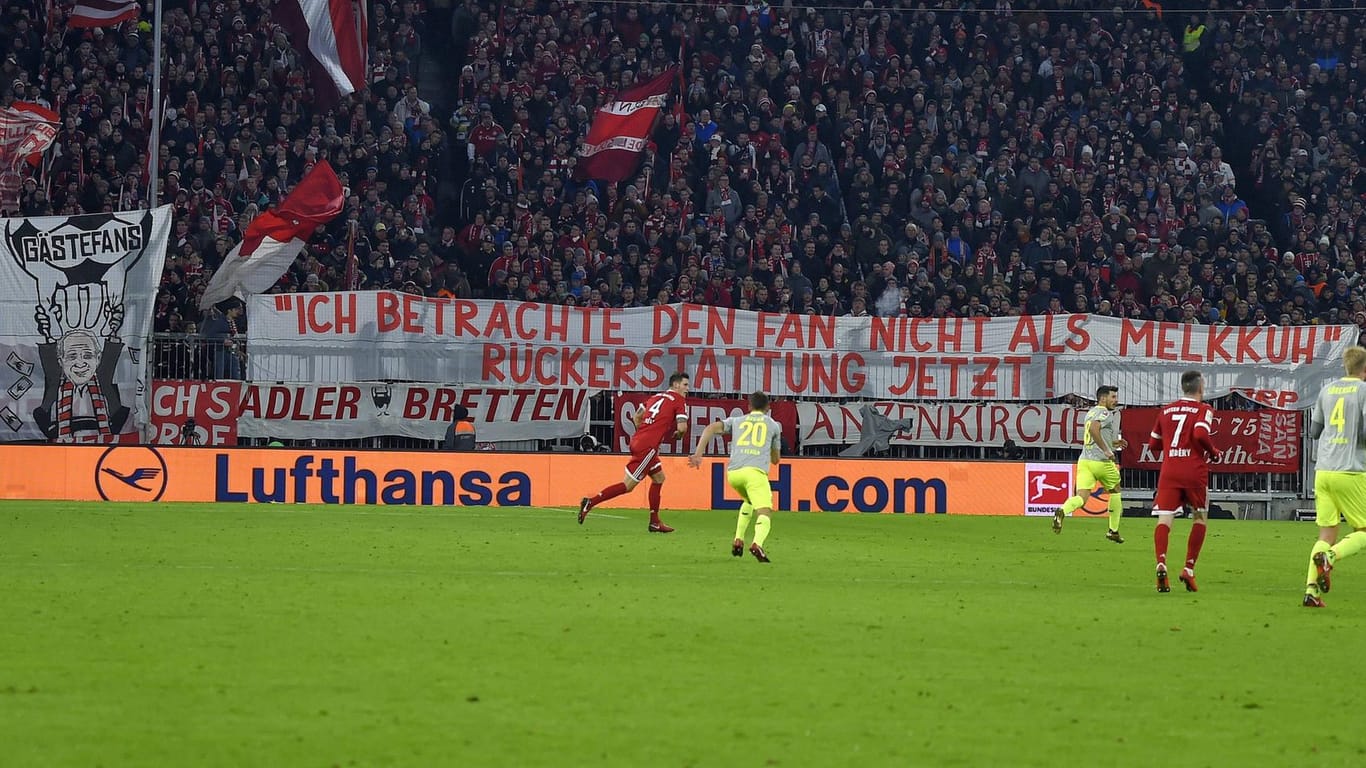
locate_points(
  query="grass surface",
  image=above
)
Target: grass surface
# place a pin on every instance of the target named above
(307, 636)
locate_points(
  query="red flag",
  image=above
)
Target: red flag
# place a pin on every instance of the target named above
(103, 13)
(26, 131)
(275, 238)
(620, 131)
(332, 36)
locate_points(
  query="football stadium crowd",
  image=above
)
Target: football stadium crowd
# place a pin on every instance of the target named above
(984, 158)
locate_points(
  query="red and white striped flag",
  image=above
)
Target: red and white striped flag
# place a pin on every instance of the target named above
(621, 131)
(26, 131)
(103, 13)
(274, 238)
(332, 36)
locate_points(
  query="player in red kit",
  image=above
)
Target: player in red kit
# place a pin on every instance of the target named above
(1182, 435)
(663, 417)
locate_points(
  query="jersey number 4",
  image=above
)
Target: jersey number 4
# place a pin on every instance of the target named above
(1338, 418)
(653, 410)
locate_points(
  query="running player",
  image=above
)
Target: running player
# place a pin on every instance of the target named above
(1182, 435)
(663, 417)
(1338, 418)
(1100, 441)
(756, 442)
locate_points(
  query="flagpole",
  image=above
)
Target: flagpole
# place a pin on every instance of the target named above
(153, 162)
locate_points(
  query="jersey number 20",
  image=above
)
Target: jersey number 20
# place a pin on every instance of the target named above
(752, 434)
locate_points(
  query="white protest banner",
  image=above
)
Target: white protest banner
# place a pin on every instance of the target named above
(76, 300)
(990, 425)
(386, 335)
(348, 411)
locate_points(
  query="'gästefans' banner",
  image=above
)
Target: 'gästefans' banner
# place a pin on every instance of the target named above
(394, 336)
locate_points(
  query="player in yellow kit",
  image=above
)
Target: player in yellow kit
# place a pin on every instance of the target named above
(1097, 464)
(756, 442)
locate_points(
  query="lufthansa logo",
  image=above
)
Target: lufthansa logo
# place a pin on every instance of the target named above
(130, 473)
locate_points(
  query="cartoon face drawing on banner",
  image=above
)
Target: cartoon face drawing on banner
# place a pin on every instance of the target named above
(79, 312)
(381, 395)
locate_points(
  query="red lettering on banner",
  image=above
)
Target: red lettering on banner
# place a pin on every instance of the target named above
(852, 377)
(296, 406)
(1025, 335)
(1204, 344)
(415, 405)
(708, 376)
(822, 423)
(545, 367)
(1017, 365)
(498, 323)
(465, 311)
(611, 327)
(768, 356)
(324, 401)
(896, 334)
(545, 405)
(1217, 351)
(690, 327)
(950, 335)
(600, 373)
(654, 376)
(996, 422)
(526, 330)
(1029, 335)
(490, 366)
(624, 363)
(693, 325)
(954, 363)
(737, 360)
(386, 311)
(412, 318)
(443, 405)
(658, 335)
(984, 381)
(1078, 338)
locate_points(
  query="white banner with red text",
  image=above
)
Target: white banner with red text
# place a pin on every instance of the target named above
(354, 336)
(224, 410)
(347, 411)
(1266, 440)
(701, 413)
(1029, 426)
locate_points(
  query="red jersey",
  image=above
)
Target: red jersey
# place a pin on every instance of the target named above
(1182, 434)
(662, 414)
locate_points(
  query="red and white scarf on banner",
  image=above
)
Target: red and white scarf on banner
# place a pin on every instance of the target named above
(65, 406)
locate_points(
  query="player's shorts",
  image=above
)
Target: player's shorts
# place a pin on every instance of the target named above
(1170, 498)
(753, 486)
(1090, 472)
(644, 463)
(1339, 495)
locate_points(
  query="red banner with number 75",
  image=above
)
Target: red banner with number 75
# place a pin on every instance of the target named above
(1248, 441)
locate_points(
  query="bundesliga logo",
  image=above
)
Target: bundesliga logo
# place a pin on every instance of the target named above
(1047, 487)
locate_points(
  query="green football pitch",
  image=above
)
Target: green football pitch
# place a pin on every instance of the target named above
(179, 635)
